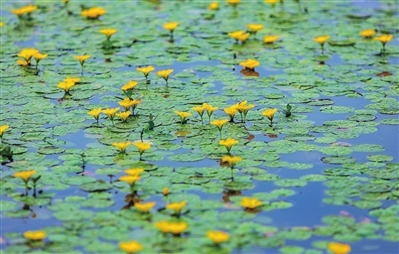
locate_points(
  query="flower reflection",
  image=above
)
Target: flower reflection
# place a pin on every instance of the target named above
(249, 73)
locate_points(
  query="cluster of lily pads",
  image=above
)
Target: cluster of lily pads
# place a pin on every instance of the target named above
(361, 185)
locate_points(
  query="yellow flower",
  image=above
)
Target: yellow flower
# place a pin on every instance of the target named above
(384, 39)
(146, 70)
(171, 227)
(165, 74)
(22, 62)
(199, 109)
(228, 143)
(213, 6)
(145, 207)
(126, 103)
(95, 113)
(176, 206)
(236, 35)
(25, 9)
(321, 39)
(218, 236)
(183, 115)
(130, 85)
(110, 112)
(130, 247)
(141, 146)
(38, 56)
(254, 27)
(272, 2)
(219, 123)
(339, 248)
(231, 112)
(74, 80)
(35, 235)
(1, 24)
(165, 191)
(243, 108)
(233, 2)
(231, 160)
(243, 37)
(250, 64)
(171, 26)
(25, 175)
(134, 104)
(108, 32)
(270, 38)
(129, 179)
(134, 171)
(65, 85)
(269, 113)
(124, 115)
(3, 128)
(250, 203)
(209, 109)
(122, 145)
(93, 12)
(82, 59)
(27, 53)
(367, 33)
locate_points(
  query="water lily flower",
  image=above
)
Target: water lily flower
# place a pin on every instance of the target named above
(38, 56)
(134, 171)
(367, 33)
(250, 64)
(108, 32)
(176, 206)
(171, 26)
(142, 147)
(339, 248)
(74, 80)
(165, 74)
(134, 103)
(24, 10)
(218, 236)
(234, 3)
(130, 247)
(209, 109)
(3, 128)
(236, 35)
(270, 39)
(250, 203)
(183, 115)
(321, 39)
(213, 6)
(35, 235)
(165, 191)
(25, 175)
(269, 113)
(93, 12)
(243, 37)
(171, 227)
(129, 179)
(28, 53)
(130, 85)
(110, 112)
(95, 113)
(243, 109)
(126, 103)
(254, 27)
(122, 145)
(66, 86)
(228, 143)
(22, 62)
(231, 112)
(231, 160)
(144, 207)
(384, 39)
(82, 59)
(124, 115)
(200, 111)
(146, 70)
(219, 124)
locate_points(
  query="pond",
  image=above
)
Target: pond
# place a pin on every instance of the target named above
(199, 127)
